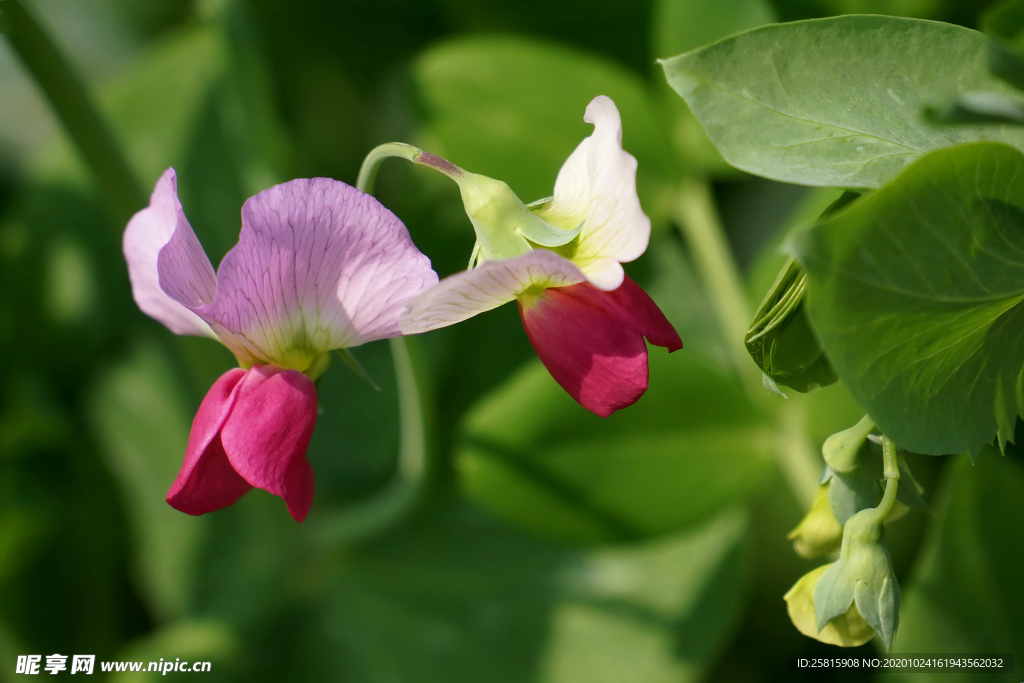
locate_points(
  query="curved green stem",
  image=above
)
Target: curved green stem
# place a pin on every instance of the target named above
(399, 150)
(891, 470)
(75, 108)
(376, 516)
(371, 518)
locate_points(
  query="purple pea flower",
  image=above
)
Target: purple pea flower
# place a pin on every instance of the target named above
(318, 266)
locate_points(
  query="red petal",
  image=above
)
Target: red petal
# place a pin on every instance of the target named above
(207, 481)
(268, 432)
(592, 342)
(645, 315)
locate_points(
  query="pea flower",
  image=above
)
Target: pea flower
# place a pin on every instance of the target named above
(318, 266)
(560, 259)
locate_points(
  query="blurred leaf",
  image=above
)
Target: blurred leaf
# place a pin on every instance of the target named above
(921, 9)
(455, 597)
(979, 107)
(152, 108)
(966, 594)
(190, 641)
(692, 446)
(140, 418)
(512, 109)
(683, 25)
(1005, 20)
(914, 292)
(837, 102)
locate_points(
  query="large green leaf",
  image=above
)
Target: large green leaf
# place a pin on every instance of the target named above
(690, 447)
(512, 109)
(966, 594)
(914, 291)
(835, 102)
(457, 597)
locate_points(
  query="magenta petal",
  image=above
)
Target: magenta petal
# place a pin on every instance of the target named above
(207, 481)
(592, 342)
(268, 432)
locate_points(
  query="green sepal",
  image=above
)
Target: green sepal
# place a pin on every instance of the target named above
(505, 227)
(863, 577)
(357, 367)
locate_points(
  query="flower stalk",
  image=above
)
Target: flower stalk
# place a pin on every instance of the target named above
(376, 516)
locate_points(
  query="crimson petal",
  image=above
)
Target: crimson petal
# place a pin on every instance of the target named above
(206, 481)
(592, 342)
(267, 434)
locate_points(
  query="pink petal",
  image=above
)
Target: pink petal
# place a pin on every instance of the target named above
(207, 481)
(149, 232)
(592, 342)
(319, 265)
(268, 432)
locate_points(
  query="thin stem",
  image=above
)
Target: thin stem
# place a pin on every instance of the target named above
(376, 516)
(698, 220)
(74, 107)
(891, 469)
(399, 150)
(386, 510)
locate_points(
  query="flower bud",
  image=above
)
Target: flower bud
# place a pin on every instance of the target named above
(846, 630)
(863, 579)
(842, 448)
(819, 532)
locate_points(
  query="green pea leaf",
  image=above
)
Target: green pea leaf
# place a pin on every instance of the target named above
(690, 447)
(966, 594)
(835, 102)
(914, 291)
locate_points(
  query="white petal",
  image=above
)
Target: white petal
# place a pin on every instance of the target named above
(492, 284)
(148, 232)
(597, 187)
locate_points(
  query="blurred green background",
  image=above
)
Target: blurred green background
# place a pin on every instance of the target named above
(553, 546)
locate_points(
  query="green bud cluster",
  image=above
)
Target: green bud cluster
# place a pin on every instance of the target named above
(856, 597)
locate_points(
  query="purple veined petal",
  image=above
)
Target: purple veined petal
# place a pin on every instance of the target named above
(149, 232)
(319, 265)
(488, 286)
(596, 186)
